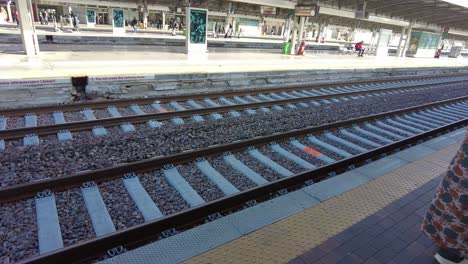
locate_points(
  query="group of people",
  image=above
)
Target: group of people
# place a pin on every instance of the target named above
(220, 30)
(4, 18)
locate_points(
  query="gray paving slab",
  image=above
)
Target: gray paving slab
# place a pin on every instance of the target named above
(100, 218)
(271, 211)
(143, 201)
(334, 186)
(439, 142)
(244, 169)
(182, 246)
(48, 227)
(224, 185)
(183, 187)
(381, 167)
(414, 153)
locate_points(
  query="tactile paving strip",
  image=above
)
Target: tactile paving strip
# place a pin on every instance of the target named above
(290, 237)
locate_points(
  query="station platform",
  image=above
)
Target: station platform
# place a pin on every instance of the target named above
(371, 214)
(63, 61)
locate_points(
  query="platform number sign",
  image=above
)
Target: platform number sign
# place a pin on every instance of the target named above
(198, 19)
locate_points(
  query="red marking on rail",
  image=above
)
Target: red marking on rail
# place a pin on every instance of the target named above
(312, 151)
(162, 110)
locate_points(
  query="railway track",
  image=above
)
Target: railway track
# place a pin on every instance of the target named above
(179, 110)
(186, 188)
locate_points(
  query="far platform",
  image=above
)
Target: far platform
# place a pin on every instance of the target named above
(67, 60)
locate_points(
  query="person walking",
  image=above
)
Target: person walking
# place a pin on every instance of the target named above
(134, 24)
(446, 221)
(76, 22)
(359, 48)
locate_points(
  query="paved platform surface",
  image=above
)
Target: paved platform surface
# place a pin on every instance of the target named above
(70, 60)
(375, 203)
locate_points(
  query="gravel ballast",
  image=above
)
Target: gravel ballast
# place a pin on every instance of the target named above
(53, 159)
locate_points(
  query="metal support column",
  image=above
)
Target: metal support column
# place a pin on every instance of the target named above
(28, 31)
(10, 17)
(294, 36)
(400, 43)
(163, 20)
(408, 38)
(301, 31)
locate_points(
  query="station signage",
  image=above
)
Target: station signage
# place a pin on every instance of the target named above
(306, 11)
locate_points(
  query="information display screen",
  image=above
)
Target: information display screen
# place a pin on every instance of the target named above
(198, 20)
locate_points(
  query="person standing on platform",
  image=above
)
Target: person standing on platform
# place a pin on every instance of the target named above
(76, 22)
(3, 15)
(134, 25)
(359, 48)
(446, 221)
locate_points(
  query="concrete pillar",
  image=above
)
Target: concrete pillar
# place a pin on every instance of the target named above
(400, 43)
(10, 18)
(163, 20)
(294, 36)
(408, 38)
(145, 20)
(28, 32)
(301, 31)
(36, 15)
(228, 17)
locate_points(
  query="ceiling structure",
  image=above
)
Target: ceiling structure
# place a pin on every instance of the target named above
(438, 12)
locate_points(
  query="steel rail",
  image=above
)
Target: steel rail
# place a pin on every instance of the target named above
(30, 189)
(126, 102)
(18, 133)
(149, 231)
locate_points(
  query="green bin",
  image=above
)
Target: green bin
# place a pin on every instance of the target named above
(286, 48)
(184, 32)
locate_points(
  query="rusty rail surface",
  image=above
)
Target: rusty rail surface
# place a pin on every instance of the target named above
(18, 133)
(138, 235)
(126, 102)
